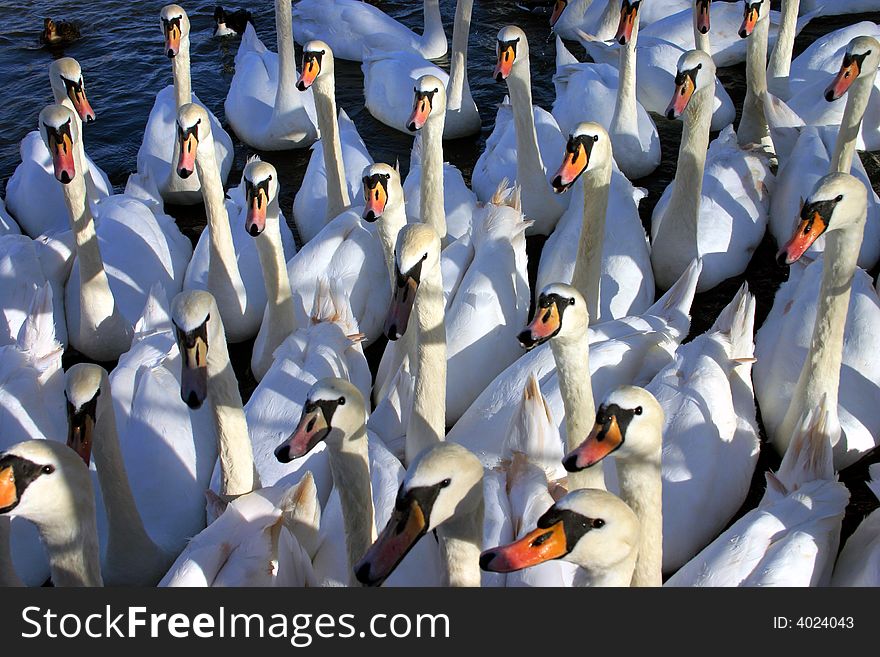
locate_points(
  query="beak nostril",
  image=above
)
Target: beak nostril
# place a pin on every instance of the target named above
(282, 453)
(254, 230)
(192, 400)
(362, 572)
(570, 463)
(486, 558)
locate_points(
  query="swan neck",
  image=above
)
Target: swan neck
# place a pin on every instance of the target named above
(753, 127)
(427, 421)
(641, 488)
(587, 274)
(626, 118)
(458, 82)
(287, 74)
(851, 123)
(433, 33)
(608, 20)
(461, 538)
(619, 575)
(392, 220)
(71, 540)
(180, 69)
(331, 146)
(530, 171)
(431, 186)
(279, 309)
(780, 58)
(701, 41)
(572, 357)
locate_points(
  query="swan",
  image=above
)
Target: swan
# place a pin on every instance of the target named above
(225, 261)
(585, 249)
(365, 478)
(440, 197)
(857, 563)
(710, 432)
(816, 342)
(261, 539)
(716, 207)
(336, 164)
(442, 491)
(843, 7)
(161, 148)
(791, 538)
(632, 130)
(629, 425)
(46, 483)
(8, 225)
(657, 63)
(523, 138)
(350, 25)
(261, 106)
(390, 102)
(591, 528)
(727, 47)
(32, 196)
(132, 557)
(123, 247)
(812, 155)
(625, 351)
(572, 17)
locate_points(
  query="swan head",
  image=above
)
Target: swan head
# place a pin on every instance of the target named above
(592, 528)
(862, 57)
(629, 17)
(37, 477)
(82, 388)
(443, 481)
(193, 127)
(191, 313)
(560, 311)
(317, 60)
(511, 47)
(417, 251)
(695, 72)
(175, 28)
(260, 191)
(333, 409)
(588, 144)
(701, 8)
(65, 76)
(558, 7)
(629, 424)
(60, 133)
(429, 100)
(838, 201)
(753, 11)
(381, 189)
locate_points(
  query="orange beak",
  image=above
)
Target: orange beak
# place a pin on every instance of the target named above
(257, 203)
(603, 439)
(311, 430)
(750, 19)
(504, 66)
(680, 98)
(194, 367)
(532, 549)
(310, 71)
(558, 8)
(808, 230)
(401, 304)
(61, 147)
(172, 39)
(628, 15)
(80, 429)
(573, 165)
(375, 199)
(543, 326)
(420, 113)
(703, 16)
(8, 492)
(842, 81)
(81, 104)
(404, 529)
(186, 163)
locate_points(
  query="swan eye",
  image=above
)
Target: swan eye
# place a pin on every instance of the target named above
(341, 401)
(571, 301)
(595, 138)
(638, 410)
(445, 482)
(425, 257)
(48, 469)
(838, 198)
(597, 523)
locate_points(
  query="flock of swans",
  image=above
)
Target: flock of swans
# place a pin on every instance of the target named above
(585, 445)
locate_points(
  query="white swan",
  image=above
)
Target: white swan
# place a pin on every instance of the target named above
(593, 529)
(390, 101)
(816, 343)
(859, 561)
(8, 225)
(123, 247)
(626, 351)
(524, 137)
(791, 538)
(32, 196)
(349, 25)
(657, 65)
(225, 261)
(842, 7)
(161, 148)
(262, 107)
(716, 207)
(46, 483)
(333, 175)
(572, 17)
(610, 94)
(587, 250)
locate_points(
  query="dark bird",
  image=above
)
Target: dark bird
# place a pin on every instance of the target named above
(229, 23)
(60, 33)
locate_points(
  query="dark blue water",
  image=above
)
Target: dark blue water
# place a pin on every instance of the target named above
(121, 53)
